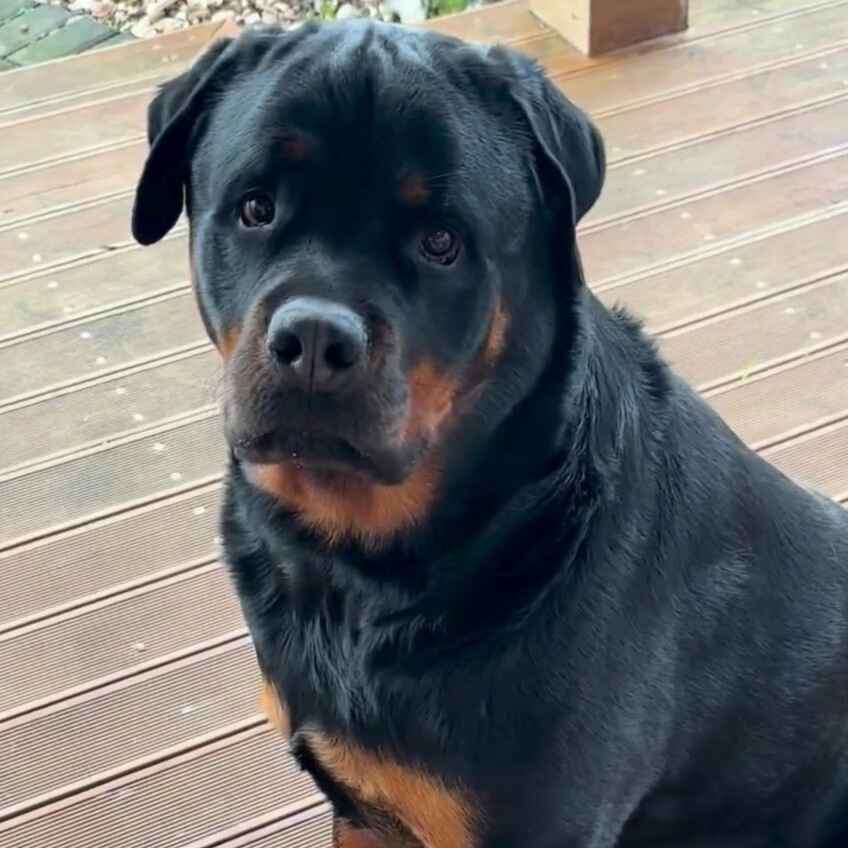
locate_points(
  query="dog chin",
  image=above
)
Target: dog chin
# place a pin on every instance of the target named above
(329, 459)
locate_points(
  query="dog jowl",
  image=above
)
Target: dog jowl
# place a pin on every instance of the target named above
(509, 581)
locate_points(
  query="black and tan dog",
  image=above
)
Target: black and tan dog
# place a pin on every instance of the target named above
(511, 583)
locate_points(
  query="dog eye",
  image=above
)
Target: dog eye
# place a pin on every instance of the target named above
(440, 246)
(257, 210)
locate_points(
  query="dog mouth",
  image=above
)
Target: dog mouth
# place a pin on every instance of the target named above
(326, 456)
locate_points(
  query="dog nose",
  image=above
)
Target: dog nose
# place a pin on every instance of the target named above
(320, 344)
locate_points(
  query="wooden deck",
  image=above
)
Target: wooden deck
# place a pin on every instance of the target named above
(128, 704)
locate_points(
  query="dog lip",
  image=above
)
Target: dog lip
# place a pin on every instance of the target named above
(320, 453)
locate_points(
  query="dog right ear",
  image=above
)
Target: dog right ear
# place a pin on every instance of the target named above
(171, 120)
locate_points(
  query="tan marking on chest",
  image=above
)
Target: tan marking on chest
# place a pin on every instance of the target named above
(350, 507)
(346, 835)
(274, 709)
(436, 815)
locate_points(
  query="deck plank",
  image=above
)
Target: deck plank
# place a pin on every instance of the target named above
(813, 391)
(91, 124)
(101, 344)
(111, 278)
(70, 181)
(733, 346)
(95, 483)
(701, 63)
(108, 408)
(127, 725)
(713, 163)
(693, 114)
(818, 460)
(736, 274)
(195, 798)
(632, 246)
(110, 555)
(97, 70)
(115, 637)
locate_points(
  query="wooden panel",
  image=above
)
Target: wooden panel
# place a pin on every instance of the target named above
(312, 829)
(818, 460)
(43, 242)
(100, 345)
(107, 121)
(701, 62)
(600, 26)
(719, 15)
(116, 637)
(128, 472)
(716, 161)
(192, 801)
(35, 110)
(635, 244)
(99, 69)
(108, 409)
(127, 722)
(708, 21)
(70, 181)
(814, 389)
(109, 555)
(737, 275)
(296, 832)
(112, 277)
(687, 116)
(734, 346)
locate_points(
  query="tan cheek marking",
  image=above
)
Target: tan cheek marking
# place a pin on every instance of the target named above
(437, 816)
(350, 507)
(274, 710)
(413, 191)
(431, 397)
(497, 336)
(228, 341)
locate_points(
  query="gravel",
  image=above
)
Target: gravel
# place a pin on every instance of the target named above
(145, 18)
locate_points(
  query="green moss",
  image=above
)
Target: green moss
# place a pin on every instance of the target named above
(447, 7)
(327, 10)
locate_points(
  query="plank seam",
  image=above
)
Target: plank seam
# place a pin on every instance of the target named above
(105, 372)
(722, 246)
(17, 626)
(798, 58)
(165, 663)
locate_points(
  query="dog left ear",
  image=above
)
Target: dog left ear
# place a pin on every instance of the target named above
(171, 120)
(570, 150)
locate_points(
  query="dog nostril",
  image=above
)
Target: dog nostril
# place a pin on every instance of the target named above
(339, 356)
(288, 348)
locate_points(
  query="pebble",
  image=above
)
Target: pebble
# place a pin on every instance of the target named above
(167, 25)
(103, 9)
(347, 10)
(146, 18)
(156, 10)
(142, 28)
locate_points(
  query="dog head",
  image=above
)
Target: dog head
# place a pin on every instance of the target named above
(382, 234)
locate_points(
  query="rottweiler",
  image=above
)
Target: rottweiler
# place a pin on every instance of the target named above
(511, 583)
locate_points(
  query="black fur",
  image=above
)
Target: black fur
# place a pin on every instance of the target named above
(616, 626)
